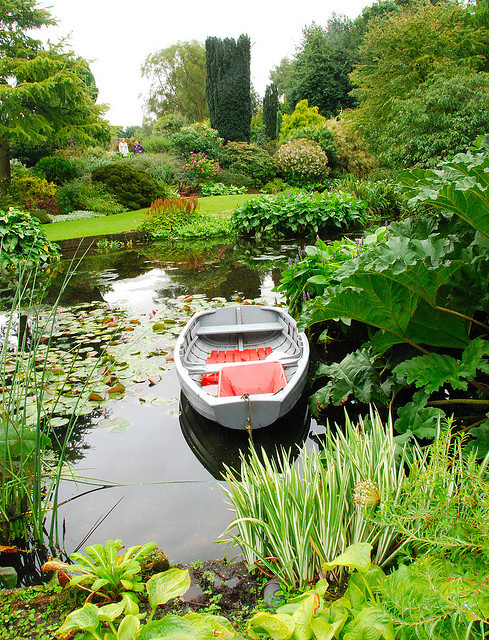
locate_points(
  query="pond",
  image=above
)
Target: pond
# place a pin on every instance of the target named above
(155, 464)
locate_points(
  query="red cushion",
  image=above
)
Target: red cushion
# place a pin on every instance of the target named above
(260, 377)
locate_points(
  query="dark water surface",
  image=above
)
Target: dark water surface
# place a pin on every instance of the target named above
(167, 465)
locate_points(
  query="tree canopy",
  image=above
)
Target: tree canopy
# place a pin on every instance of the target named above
(422, 86)
(46, 94)
(178, 77)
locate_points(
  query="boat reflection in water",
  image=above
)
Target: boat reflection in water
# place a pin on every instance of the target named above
(215, 446)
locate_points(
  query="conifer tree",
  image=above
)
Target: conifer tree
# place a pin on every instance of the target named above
(270, 111)
(228, 87)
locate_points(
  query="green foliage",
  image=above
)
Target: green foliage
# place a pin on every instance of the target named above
(299, 214)
(459, 186)
(28, 189)
(321, 134)
(302, 116)
(23, 243)
(82, 194)
(220, 189)
(56, 169)
(133, 189)
(105, 572)
(270, 112)
(177, 78)
(422, 83)
(320, 70)
(302, 161)
(161, 588)
(314, 267)
(382, 197)
(326, 509)
(199, 226)
(249, 160)
(228, 88)
(199, 138)
(276, 186)
(165, 214)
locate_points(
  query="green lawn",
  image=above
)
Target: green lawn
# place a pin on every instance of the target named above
(130, 221)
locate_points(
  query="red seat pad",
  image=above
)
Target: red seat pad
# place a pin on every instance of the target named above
(235, 355)
(260, 377)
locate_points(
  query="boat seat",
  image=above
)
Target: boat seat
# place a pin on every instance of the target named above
(257, 327)
(253, 378)
(237, 355)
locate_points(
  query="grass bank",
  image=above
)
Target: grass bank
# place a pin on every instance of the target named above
(130, 220)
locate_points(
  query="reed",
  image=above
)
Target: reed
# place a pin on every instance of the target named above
(30, 471)
(291, 517)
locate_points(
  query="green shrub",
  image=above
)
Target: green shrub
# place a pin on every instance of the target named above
(82, 194)
(220, 189)
(168, 124)
(23, 242)
(383, 198)
(56, 169)
(229, 177)
(166, 213)
(87, 163)
(28, 189)
(133, 189)
(299, 214)
(275, 186)
(198, 138)
(249, 160)
(157, 144)
(163, 167)
(302, 161)
(302, 116)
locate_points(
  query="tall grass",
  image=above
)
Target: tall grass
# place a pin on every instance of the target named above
(291, 517)
(30, 472)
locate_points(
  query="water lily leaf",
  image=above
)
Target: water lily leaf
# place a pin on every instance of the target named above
(117, 388)
(59, 422)
(8, 577)
(162, 402)
(96, 397)
(159, 327)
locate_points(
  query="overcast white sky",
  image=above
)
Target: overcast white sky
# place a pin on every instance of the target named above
(117, 35)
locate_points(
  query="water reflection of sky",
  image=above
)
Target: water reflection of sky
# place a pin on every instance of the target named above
(167, 463)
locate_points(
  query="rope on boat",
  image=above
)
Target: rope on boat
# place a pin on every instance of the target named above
(249, 427)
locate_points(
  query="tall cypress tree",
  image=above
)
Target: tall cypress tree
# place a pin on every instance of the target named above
(270, 111)
(228, 87)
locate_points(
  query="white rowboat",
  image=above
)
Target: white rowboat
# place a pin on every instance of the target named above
(242, 366)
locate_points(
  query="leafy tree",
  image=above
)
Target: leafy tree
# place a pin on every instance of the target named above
(178, 78)
(270, 112)
(45, 94)
(228, 87)
(320, 72)
(422, 76)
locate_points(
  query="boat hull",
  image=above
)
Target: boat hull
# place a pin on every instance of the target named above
(245, 411)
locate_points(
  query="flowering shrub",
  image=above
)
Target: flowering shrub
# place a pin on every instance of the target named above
(302, 160)
(200, 168)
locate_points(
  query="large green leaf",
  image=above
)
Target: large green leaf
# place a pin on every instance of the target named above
(170, 627)
(277, 626)
(389, 305)
(354, 375)
(417, 418)
(356, 556)
(433, 371)
(164, 586)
